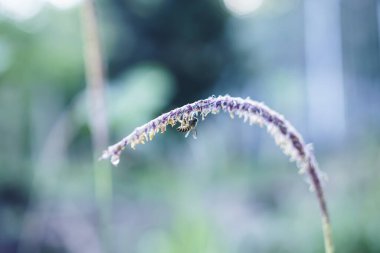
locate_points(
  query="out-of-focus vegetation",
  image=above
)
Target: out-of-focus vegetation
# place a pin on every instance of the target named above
(231, 190)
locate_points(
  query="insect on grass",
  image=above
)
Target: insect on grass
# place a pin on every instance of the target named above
(253, 112)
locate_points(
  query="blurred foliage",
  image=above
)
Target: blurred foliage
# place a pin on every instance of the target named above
(229, 191)
(186, 37)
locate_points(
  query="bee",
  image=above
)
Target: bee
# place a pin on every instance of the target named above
(188, 126)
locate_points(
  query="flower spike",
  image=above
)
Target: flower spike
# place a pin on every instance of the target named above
(253, 112)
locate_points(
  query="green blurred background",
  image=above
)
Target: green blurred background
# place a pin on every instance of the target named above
(231, 190)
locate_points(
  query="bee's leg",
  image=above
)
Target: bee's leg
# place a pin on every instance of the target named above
(187, 134)
(195, 133)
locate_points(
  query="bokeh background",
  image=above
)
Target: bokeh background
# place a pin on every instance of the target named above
(231, 190)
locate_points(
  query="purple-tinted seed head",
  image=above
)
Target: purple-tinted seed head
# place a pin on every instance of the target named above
(284, 134)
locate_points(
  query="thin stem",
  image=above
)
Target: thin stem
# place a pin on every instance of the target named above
(97, 116)
(326, 225)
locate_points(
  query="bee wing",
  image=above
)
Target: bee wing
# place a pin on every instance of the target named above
(194, 133)
(187, 134)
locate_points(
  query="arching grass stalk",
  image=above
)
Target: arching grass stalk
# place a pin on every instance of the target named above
(284, 134)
